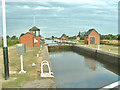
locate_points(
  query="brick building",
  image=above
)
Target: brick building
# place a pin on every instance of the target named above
(92, 37)
(78, 38)
(63, 38)
(31, 38)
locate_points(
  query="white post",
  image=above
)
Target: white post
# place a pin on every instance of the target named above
(98, 47)
(21, 57)
(5, 48)
(37, 55)
(4, 23)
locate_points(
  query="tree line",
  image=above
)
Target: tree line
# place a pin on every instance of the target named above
(81, 35)
(13, 40)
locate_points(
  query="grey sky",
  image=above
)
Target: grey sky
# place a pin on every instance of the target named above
(55, 17)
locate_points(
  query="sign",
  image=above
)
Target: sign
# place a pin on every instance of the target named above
(20, 49)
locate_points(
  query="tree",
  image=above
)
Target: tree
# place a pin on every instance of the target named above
(14, 38)
(53, 37)
(79, 34)
(82, 35)
(22, 34)
(118, 36)
(8, 37)
(64, 35)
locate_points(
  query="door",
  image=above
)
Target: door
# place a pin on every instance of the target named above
(92, 40)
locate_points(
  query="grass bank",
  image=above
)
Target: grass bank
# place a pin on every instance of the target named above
(14, 64)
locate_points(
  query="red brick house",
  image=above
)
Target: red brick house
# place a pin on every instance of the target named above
(92, 37)
(31, 38)
(63, 37)
(78, 38)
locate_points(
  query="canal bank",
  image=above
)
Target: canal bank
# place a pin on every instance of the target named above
(100, 55)
(42, 82)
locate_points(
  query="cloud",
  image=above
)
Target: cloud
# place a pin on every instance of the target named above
(26, 7)
(42, 8)
(47, 8)
(60, 8)
(67, 1)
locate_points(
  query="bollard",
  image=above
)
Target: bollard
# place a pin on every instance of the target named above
(37, 55)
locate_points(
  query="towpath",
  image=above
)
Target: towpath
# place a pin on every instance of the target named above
(43, 82)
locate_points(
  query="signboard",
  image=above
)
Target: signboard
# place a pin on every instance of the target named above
(20, 49)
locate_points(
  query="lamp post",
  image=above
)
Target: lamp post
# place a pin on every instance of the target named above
(5, 49)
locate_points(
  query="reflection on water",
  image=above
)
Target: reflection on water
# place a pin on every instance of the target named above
(72, 70)
(90, 63)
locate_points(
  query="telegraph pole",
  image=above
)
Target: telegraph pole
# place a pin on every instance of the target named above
(5, 48)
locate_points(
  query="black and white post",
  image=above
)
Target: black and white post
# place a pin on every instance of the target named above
(5, 49)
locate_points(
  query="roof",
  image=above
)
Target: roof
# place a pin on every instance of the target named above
(89, 32)
(34, 29)
(28, 33)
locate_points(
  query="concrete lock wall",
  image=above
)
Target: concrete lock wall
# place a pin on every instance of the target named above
(93, 53)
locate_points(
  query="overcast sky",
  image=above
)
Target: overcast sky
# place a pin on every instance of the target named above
(55, 17)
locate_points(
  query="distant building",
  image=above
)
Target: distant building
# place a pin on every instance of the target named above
(92, 37)
(78, 38)
(63, 37)
(31, 38)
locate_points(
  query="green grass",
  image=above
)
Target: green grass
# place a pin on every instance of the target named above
(10, 42)
(14, 63)
(108, 48)
(21, 78)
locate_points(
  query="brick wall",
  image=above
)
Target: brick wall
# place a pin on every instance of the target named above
(27, 39)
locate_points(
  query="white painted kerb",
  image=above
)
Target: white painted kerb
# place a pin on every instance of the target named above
(113, 85)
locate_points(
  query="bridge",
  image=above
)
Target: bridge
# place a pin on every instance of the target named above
(59, 42)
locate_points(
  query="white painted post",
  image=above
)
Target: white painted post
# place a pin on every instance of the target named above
(4, 23)
(5, 48)
(21, 57)
(37, 55)
(98, 47)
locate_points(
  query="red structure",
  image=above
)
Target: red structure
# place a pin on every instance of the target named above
(63, 38)
(92, 37)
(78, 38)
(31, 38)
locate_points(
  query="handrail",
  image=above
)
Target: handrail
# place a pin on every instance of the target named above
(49, 74)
